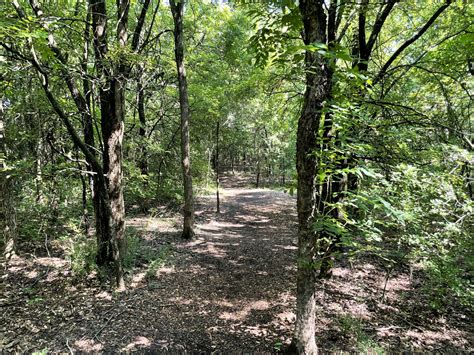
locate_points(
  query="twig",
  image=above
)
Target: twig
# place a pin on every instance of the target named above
(107, 312)
(67, 344)
(106, 323)
(10, 303)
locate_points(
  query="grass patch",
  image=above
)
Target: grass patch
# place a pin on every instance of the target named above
(140, 254)
(360, 341)
(82, 255)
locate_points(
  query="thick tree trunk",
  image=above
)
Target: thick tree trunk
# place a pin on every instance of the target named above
(177, 10)
(318, 86)
(111, 209)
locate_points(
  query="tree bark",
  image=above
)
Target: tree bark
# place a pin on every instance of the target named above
(143, 158)
(112, 107)
(218, 201)
(88, 130)
(7, 203)
(177, 10)
(318, 89)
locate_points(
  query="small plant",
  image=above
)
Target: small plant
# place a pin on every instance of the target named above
(82, 256)
(157, 262)
(362, 342)
(138, 253)
(35, 300)
(278, 345)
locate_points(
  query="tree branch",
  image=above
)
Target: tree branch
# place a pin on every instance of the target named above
(420, 33)
(381, 17)
(139, 27)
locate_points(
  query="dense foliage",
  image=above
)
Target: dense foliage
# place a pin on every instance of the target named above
(400, 132)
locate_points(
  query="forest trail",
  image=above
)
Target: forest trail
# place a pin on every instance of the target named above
(231, 289)
(235, 281)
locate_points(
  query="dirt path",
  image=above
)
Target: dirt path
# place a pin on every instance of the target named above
(233, 284)
(230, 289)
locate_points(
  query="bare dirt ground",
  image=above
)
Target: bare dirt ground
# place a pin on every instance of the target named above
(232, 289)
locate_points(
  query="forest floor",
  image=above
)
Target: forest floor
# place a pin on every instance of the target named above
(231, 289)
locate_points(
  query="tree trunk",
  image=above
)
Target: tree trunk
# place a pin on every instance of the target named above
(143, 158)
(39, 163)
(257, 179)
(112, 104)
(218, 201)
(88, 130)
(177, 10)
(7, 211)
(318, 85)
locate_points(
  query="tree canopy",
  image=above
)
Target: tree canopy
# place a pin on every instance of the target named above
(362, 110)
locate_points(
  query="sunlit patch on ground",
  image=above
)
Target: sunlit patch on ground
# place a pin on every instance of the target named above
(88, 345)
(231, 289)
(137, 343)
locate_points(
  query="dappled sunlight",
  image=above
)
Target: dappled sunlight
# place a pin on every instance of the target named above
(420, 338)
(232, 284)
(88, 345)
(242, 313)
(51, 262)
(284, 247)
(166, 270)
(137, 343)
(358, 310)
(340, 272)
(285, 317)
(152, 224)
(31, 274)
(396, 284)
(104, 295)
(211, 249)
(138, 279)
(55, 275)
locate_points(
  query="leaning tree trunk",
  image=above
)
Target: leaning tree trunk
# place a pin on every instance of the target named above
(318, 79)
(177, 10)
(7, 211)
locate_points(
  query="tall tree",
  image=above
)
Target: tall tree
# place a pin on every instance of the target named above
(7, 210)
(113, 72)
(177, 10)
(317, 92)
(318, 138)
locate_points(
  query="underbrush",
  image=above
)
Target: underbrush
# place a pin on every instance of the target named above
(359, 340)
(141, 254)
(82, 256)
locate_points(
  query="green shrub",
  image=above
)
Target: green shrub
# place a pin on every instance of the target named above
(139, 253)
(82, 255)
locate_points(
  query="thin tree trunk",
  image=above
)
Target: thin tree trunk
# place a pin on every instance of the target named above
(7, 203)
(177, 10)
(317, 91)
(39, 163)
(257, 182)
(218, 202)
(143, 158)
(88, 130)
